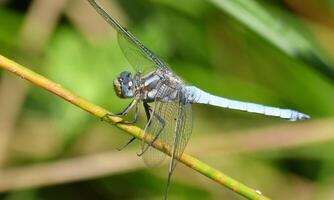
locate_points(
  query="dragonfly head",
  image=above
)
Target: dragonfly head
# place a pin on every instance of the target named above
(124, 85)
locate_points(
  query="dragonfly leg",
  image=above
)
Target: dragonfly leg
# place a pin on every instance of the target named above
(131, 122)
(148, 111)
(135, 119)
(162, 123)
(122, 114)
(129, 142)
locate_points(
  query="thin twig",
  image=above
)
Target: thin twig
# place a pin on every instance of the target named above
(65, 171)
(97, 111)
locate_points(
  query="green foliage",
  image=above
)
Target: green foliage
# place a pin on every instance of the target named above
(9, 29)
(277, 30)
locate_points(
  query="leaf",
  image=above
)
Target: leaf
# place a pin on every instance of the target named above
(277, 32)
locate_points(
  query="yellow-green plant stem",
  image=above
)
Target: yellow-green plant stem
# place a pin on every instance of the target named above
(98, 111)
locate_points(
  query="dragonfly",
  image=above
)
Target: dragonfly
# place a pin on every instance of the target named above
(167, 99)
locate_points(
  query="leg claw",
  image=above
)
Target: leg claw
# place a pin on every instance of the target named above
(107, 119)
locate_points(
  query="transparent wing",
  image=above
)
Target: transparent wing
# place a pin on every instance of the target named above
(183, 131)
(155, 129)
(132, 48)
(171, 124)
(135, 56)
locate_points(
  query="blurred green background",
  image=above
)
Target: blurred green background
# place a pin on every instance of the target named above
(278, 53)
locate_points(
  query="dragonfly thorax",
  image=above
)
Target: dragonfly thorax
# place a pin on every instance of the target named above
(125, 85)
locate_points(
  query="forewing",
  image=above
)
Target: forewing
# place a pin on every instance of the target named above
(135, 56)
(126, 37)
(177, 128)
(154, 129)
